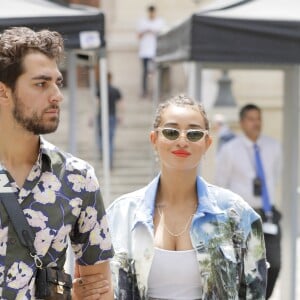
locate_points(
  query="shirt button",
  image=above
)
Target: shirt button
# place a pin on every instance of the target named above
(11, 241)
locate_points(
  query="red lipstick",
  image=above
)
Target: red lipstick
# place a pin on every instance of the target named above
(181, 153)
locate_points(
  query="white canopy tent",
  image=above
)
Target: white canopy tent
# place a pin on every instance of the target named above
(250, 34)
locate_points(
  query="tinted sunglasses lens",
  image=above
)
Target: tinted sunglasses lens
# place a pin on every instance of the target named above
(170, 134)
(195, 135)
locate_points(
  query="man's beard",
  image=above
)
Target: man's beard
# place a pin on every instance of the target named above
(34, 123)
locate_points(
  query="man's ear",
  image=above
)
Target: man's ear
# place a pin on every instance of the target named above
(3, 91)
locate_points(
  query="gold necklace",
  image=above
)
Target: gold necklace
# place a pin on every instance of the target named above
(169, 231)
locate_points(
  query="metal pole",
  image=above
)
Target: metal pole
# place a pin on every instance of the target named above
(72, 87)
(198, 82)
(196, 85)
(290, 182)
(194, 80)
(105, 126)
(95, 104)
(72, 142)
(155, 102)
(191, 67)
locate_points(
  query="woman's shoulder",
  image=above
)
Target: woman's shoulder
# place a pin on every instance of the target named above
(228, 200)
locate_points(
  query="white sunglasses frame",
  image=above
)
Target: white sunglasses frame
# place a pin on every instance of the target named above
(180, 131)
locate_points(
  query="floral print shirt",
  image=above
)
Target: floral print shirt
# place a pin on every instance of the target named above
(225, 232)
(59, 198)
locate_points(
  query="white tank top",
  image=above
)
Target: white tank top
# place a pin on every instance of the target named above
(174, 275)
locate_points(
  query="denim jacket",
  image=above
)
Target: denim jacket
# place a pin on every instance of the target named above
(225, 231)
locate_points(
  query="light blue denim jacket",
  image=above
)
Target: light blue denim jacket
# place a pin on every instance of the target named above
(225, 231)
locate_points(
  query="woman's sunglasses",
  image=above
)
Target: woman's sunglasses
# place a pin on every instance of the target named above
(172, 134)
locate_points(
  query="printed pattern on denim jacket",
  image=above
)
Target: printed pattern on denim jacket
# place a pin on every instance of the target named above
(60, 198)
(226, 233)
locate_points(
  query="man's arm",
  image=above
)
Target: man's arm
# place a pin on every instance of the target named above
(92, 282)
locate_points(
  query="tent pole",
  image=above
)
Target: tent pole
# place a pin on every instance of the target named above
(155, 102)
(198, 81)
(72, 141)
(191, 79)
(157, 87)
(194, 80)
(95, 104)
(290, 182)
(105, 125)
(72, 85)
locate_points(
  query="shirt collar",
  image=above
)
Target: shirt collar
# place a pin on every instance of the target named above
(249, 143)
(44, 158)
(45, 155)
(43, 162)
(206, 202)
(145, 210)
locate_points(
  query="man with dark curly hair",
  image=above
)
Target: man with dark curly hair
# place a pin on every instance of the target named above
(58, 193)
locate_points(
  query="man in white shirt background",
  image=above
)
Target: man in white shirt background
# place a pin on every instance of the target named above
(148, 30)
(250, 165)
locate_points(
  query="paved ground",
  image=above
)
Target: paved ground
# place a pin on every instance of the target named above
(278, 294)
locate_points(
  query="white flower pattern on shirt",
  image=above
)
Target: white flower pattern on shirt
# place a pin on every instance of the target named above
(3, 240)
(76, 204)
(99, 235)
(1, 274)
(36, 218)
(43, 240)
(91, 184)
(60, 198)
(18, 275)
(87, 220)
(60, 241)
(78, 182)
(35, 173)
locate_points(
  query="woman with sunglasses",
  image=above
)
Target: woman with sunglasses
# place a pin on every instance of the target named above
(181, 237)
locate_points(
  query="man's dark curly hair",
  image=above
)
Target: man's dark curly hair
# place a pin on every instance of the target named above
(17, 42)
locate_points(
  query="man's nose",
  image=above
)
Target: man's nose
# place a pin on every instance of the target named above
(56, 95)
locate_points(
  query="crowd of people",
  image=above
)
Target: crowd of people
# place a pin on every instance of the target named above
(178, 237)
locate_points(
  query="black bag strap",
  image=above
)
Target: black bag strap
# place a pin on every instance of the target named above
(17, 217)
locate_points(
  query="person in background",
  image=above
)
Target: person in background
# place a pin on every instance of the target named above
(181, 237)
(114, 111)
(250, 165)
(58, 193)
(225, 134)
(148, 29)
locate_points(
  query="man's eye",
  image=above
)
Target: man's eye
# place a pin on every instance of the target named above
(60, 84)
(40, 84)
